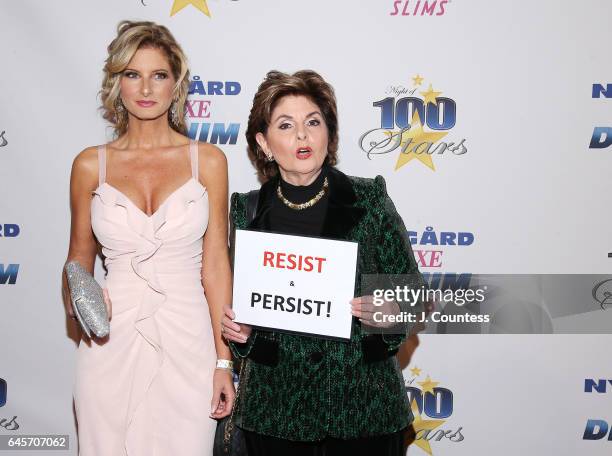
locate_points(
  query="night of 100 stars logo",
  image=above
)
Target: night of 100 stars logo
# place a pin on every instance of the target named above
(413, 121)
(431, 406)
(178, 5)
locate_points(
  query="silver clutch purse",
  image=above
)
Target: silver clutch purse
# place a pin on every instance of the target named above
(87, 300)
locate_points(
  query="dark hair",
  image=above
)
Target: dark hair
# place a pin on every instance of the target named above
(277, 85)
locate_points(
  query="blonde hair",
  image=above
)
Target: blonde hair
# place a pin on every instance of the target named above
(132, 36)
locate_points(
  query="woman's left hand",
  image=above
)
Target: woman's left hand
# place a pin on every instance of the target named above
(223, 394)
(363, 307)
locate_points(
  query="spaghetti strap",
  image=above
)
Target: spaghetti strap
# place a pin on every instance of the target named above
(101, 164)
(193, 157)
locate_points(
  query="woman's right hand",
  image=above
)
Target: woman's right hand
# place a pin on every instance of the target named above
(70, 311)
(67, 301)
(233, 331)
(108, 304)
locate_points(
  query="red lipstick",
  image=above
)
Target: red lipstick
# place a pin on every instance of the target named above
(302, 153)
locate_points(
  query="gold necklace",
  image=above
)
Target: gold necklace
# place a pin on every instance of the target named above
(311, 202)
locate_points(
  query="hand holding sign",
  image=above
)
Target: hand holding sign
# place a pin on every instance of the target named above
(231, 330)
(363, 307)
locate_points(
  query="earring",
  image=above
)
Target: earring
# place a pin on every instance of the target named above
(120, 111)
(269, 158)
(174, 118)
(119, 108)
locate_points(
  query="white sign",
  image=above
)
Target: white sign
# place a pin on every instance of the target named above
(294, 283)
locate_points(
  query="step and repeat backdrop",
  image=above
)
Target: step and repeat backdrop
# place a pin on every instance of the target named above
(505, 170)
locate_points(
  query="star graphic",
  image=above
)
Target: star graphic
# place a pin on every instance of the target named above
(180, 4)
(415, 371)
(415, 139)
(418, 80)
(423, 427)
(430, 96)
(428, 385)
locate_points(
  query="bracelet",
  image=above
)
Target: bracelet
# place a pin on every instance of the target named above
(225, 364)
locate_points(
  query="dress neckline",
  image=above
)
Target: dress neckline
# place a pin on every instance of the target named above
(193, 161)
(168, 198)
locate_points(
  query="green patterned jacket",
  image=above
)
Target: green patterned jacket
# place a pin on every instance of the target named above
(305, 388)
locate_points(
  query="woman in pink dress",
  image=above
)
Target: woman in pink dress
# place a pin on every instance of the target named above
(157, 204)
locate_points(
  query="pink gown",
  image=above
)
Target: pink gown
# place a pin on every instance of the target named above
(147, 390)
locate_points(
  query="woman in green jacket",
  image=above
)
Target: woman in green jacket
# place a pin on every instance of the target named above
(308, 395)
